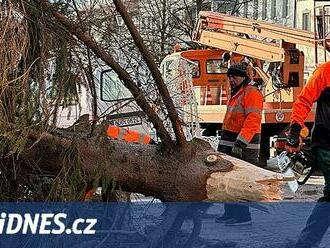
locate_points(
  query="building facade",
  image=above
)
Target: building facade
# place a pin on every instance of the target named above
(275, 11)
(300, 14)
(309, 16)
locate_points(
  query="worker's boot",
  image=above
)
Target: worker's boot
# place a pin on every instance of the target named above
(222, 219)
(235, 222)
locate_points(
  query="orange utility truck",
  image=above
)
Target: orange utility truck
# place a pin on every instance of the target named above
(276, 63)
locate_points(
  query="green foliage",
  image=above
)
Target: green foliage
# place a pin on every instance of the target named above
(65, 82)
(39, 74)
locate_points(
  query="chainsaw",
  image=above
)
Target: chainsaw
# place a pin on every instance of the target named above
(297, 165)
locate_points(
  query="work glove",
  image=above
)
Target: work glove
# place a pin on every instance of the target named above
(293, 139)
(237, 149)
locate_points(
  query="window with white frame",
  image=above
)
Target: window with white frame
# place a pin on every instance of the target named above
(306, 21)
(264, 9)
(245, 10)
(273, 9)
(285, 10)
(255, 9)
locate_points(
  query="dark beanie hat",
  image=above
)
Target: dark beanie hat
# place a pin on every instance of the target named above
(238, 69)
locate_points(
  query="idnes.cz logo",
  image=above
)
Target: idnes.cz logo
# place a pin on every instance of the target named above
(44, 223)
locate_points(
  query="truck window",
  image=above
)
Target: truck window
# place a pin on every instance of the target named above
(216, 66)
(112, 88)
(168, 70)
(195, 69)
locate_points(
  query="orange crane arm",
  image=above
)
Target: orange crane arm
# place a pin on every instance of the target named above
(250, 37)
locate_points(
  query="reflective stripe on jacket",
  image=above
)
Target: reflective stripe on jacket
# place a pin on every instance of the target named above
(120, 133)
(317, 90)
(243, 117)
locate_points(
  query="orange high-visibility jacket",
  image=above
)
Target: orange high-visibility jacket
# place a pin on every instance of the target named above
(243, 117)
(317, 90)
(120, 133)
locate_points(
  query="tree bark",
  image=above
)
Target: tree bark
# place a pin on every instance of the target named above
(208, 175)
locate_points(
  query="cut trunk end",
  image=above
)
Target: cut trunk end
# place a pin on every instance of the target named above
(245, 182)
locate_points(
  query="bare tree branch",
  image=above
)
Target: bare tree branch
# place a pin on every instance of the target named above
(122, 74)
(173, 115)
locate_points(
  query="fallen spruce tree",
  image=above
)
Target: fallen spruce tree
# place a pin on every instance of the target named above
(32, 153)
(173, 170)
(203, 174)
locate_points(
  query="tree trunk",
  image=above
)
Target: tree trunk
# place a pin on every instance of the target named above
(208, 175)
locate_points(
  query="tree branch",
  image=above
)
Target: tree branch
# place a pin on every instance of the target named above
(173, 115)
(77, 31)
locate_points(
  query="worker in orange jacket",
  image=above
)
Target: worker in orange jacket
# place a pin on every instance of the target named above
(241, 129)
(317, 90)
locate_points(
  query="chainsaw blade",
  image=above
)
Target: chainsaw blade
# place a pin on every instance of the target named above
(293, 185)
(283, 163)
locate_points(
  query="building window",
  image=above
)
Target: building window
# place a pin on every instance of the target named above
(206, 6)
(285, 11)
(195, 69)
(255, 9)
(273, 9)
(214, 6)
(246, 7)
(306, 21)
(226, 7)
(264, 9)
